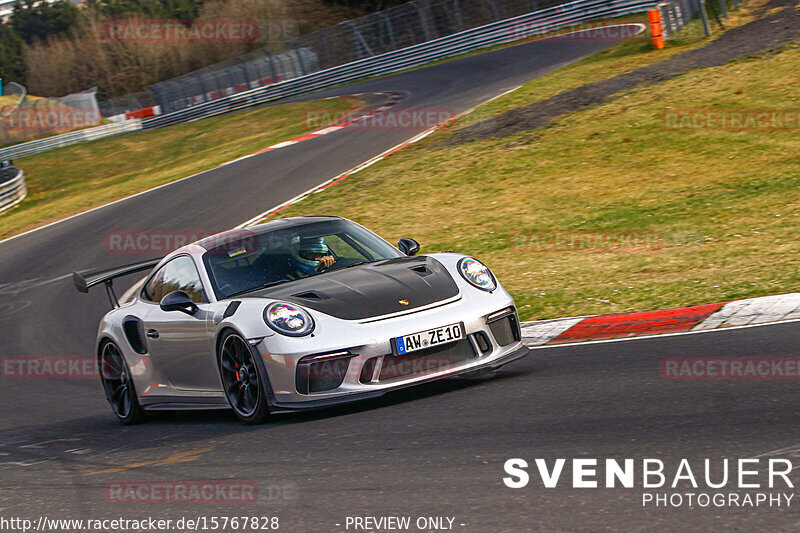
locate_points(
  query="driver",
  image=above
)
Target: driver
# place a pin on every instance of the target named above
(311, 256)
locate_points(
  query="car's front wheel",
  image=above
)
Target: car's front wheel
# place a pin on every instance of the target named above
(118, 385)
(242, 379)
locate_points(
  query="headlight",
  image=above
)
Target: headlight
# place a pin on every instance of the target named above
(477, 274)
(288, 319)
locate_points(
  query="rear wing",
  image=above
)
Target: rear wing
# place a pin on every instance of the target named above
(85, 280)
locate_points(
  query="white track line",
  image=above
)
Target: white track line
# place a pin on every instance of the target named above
(416, 138)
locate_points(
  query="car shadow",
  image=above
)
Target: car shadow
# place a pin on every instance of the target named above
(390, 399)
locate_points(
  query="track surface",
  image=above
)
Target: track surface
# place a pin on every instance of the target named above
(437, 450)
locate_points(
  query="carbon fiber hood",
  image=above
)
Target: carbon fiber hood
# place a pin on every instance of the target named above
(369, 290)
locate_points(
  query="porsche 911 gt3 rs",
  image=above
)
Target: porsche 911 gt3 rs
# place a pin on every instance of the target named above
(296, 313)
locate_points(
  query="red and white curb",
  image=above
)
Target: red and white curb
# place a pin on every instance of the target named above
(739, 313)
(393, 98)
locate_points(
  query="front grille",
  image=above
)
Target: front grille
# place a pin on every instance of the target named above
(506, 329)
(321, 375)
(426, 361)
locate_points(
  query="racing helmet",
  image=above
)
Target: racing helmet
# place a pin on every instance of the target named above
(307, 248)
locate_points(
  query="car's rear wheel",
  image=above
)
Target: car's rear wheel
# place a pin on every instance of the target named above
(118, 385)
(242, 379)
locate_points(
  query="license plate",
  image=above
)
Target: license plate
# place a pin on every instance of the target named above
(429, 338)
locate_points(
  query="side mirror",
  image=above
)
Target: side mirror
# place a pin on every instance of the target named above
(178, 301)
(408, 246)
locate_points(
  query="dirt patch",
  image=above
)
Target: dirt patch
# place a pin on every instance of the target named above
(778, 24)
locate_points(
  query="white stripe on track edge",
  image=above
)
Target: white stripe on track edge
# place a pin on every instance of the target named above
(416, 138)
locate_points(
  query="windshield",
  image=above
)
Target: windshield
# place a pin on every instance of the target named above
(277, 256)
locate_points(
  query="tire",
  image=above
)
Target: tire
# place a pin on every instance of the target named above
(118, 385)
(242, 379)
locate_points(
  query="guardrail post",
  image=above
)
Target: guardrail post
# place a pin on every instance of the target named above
(389, 30)
(676, 15)
(724, 7)
(459, 17)
(496, 10)
(300, 60)
(360, 45)
(666, 18)
(423, 20)
(704, 15)
(4, 135)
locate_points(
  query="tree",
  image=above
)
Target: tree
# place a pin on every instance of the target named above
(37, 22)
(12, 47)
(158, 9)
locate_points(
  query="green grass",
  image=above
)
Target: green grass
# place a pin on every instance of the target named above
(622, 57)
(9, 100)
(725, 203)
(75, 178)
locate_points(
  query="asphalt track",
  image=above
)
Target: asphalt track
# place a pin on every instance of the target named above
(436, 450)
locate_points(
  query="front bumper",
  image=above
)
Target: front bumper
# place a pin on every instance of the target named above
(319, 403)
(362, 366)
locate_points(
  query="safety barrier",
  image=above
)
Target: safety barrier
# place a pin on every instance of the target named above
(12, 191)
(502, 32)
(65, 139)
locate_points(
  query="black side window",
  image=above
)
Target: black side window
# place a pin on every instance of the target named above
(180, 274)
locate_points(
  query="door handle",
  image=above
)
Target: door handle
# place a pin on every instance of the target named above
(153, 334)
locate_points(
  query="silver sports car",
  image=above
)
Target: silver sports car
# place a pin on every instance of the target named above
(296, 313)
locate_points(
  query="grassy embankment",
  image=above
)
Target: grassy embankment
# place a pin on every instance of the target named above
(725, 203)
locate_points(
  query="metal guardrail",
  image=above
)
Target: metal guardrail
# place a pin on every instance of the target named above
(57, 141)
(675, 14)
(502, 32)
(12, 191)
(496, 33)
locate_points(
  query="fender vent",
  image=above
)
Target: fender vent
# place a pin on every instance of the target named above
(134, 332)
(231, 309)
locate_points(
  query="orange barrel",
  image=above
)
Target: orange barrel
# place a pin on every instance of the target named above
(654, 18)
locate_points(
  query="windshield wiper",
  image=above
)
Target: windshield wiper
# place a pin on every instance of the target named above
(357, 264)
